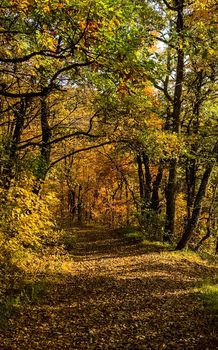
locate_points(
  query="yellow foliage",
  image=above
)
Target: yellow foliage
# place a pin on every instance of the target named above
(180, 213)
(22, 5)
(154, 122)
(149, 91)
(26, 222)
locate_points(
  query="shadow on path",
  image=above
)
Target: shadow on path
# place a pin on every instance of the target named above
(117, 296)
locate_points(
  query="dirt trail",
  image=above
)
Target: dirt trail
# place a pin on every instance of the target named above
(117, 296)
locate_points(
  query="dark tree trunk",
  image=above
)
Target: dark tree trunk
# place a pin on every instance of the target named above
(191, 164)
(45, 146)
(148, 179)
(8, 169)
(170, 202)
(79, 205)
(46, 131)
(203, 239)
(177, 101)
(127, 205)
(155, 200)
(149, 190)
(191, 184)
(211, 221)
(72, 204)
(140, 176)
(192, 222)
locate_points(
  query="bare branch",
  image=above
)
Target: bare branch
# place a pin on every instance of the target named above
(79, 151)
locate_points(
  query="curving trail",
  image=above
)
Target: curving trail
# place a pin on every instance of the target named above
(117, 296)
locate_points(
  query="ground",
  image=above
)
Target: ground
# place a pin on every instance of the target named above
(117, 295)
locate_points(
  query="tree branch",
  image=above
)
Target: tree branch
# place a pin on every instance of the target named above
(79, 151)
(169, 6)
(50, 86)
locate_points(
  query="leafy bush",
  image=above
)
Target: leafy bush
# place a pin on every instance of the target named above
(135, 237)
(26, 228)
(69, 241)
(152, 225)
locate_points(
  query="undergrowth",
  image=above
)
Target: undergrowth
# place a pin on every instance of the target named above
(208, 292)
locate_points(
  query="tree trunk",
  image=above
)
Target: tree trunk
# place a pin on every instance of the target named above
(203, 239)
(72, 204)
(45, 146)
(155, 200)
(140, 176)
(170, 202)
(127, 205)
(216, 250)
(8, 168)
(191, 184)
(177, 101)
(79, 205)
(148, 179)
(192, 222)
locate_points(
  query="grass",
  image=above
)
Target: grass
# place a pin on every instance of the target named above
(36, 272)
(198, 257)
(30, 292)
(134, 237)
(208, 290)
(6, 309)
(209, 295)
(157, 244)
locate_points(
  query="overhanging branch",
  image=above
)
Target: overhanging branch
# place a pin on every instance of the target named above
(79, 151)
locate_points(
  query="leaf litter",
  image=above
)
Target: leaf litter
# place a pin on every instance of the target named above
(117, 295)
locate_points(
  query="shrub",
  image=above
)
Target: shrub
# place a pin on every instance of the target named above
(152, 225)
(26, 228)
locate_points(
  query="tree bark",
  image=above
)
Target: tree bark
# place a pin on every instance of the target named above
(72, 204)
(140, 176)
(191, 184)
(216, 250)
(155, 200)
(170, 202)
(79, 205)
(148, 179)
(177, 101)
(192, 222)
(45, 146)
(203, 239)
(8, 168)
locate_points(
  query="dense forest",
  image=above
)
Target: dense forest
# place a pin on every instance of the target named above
(108, 118)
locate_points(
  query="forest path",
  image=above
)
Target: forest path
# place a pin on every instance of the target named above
(117, 296)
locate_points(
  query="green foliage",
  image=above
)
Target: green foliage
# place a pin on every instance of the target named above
(135, 237)
(69, 241)
(6, 309)
(156, 246)
(37, 166)
(209, 295)
(32, 291)
(152, 225)
(26, 292)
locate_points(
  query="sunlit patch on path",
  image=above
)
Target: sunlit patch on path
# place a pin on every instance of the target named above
(117, 296)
